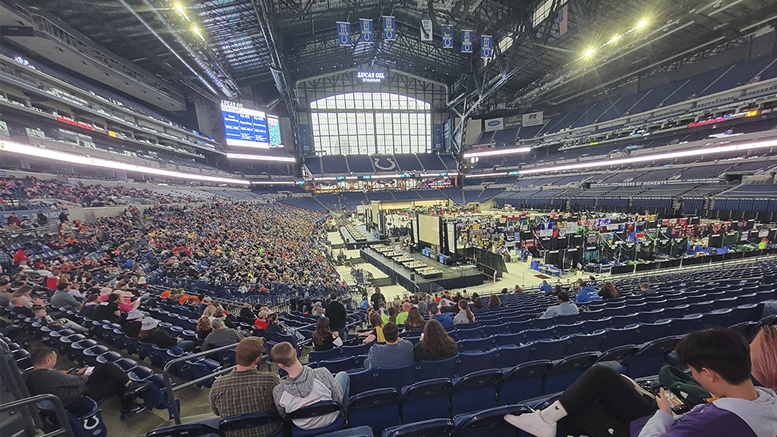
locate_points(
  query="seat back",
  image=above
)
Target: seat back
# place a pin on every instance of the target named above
(565, 372)
(396, 377)
(250, 421)
(476, 391)
(362, 381)
(433, 427)
(488, 422)
(426, 400)
(378, 409)
(472, 361)
(523, 382)
(186, 430)
(649, 359)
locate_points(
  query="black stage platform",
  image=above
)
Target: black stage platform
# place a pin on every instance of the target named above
(452, 277)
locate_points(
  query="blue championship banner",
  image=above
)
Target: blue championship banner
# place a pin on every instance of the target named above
(389, 28)
(343, 33)
(486, 46)
(447, 37)
(366, 27)
(466, 41)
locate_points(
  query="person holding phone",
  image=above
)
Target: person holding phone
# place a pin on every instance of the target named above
(99, 383)
(603, 403)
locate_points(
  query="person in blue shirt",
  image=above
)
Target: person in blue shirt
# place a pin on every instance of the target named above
(364, 304)
(564, 308)
(445, 319)
(546, 288)
(586, 293)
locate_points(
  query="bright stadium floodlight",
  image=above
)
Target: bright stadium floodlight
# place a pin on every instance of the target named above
(9, 146)
(196, 30)
(614, 39)
(484, 175)
(274, 183)
(496, 152)
(588, 53)
(642, 24)
(655, 157)
(181, 10)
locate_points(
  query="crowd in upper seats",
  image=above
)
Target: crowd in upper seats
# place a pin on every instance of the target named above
(24, 190)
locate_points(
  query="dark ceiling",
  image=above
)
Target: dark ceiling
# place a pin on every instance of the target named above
(236, 56)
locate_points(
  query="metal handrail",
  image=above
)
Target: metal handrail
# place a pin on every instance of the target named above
(59, 411)
(169, 383)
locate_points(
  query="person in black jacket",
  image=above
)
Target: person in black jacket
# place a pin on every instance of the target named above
(336, 314)
(132, 323)
(323, 338)
(149, 333)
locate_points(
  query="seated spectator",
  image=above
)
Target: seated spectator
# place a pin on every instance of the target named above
(108, 310)
(317, 310)
(586, 293)
(19, 306)
(204, 327)
(62, 299)
(323, 338)
(377, 330)
(106, 380)
(150, 333)
(464, 315)
(42, 317)
(557, 289)
(494, 301)
(435, 344)
(273, 325)
(609, 291)
(564, 308)
(445, 319)
(546, 288)
(365, 303)
(247, 312)
(414, 321)
(261, 320)
(644, 288)
(220, 336)
(88, 305)
(245, 389)
(396, 352)
(402, 316)
(518, 289)
(132, 323)
(763, 353)
(602, 402)
(477, 305)
(305, 386)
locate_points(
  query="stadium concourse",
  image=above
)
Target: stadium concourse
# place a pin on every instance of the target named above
(261, 218)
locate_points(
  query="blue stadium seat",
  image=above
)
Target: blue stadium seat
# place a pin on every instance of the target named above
(426, 400)
(618, 353)
(591, 326)
(650, 331)
(523, 382)
(649, 359)
(571, 329)
(650, 316)
(618, 337)
(566, 371)
(108, 357)
(378, 409)
(542, 323)
(624, 320)
(548, 349)
(437, 369)
(362, 380)
(476, 391)
(360, 431)
(397, 377)
(584, 343)
(567, 319)
(745, 312)
(715, 318)
(352, 351)
(320, 408)
(461, 334)
(684, 325)
(427, 428)
(511, 356)
(338, 364)
(315, 356)
(475, 344)
(90, 355)
(488, 422)
(251, 421)
(126, 364)
(492, 330)
(507, 338)
(472, 361)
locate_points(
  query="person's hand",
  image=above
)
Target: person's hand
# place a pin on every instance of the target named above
(663, 403)
(81, 371)
(179, 339)
(38, 301)
(335, 334)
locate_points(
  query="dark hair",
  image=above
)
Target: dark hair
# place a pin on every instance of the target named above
(272, 319)
(249, 350)
(437, 343)
(414, 319)
(583, 284)
(464, 307)
(392, 312)
(113, 297)
(644, 285)
(40, 354)
(434, 308)
(558, 289)
(322, 330)
(563, 296)
(62, 286)
(333, 296)
(143, 334)
(478, 303)
(376, 320)
(38, 308)
(283, 353)
(494, 301)
(721, 350)
(610, 291)
(390, 332)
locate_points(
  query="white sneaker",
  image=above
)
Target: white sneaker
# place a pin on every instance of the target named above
(532, 423)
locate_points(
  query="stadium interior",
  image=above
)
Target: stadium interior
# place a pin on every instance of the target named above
(180, 177)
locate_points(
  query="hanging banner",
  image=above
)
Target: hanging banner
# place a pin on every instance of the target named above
(343, 33)
(532, 119)
(486, 46)
(494, 124)
(366, 28)
(447, 37)
(466, 41)
(389, 28)
(426, 29)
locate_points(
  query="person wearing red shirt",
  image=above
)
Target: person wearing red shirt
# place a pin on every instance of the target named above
(52, 282)
(20, 256)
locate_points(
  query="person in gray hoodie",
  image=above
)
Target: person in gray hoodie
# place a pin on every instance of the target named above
(305, 386)
(604, 403)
